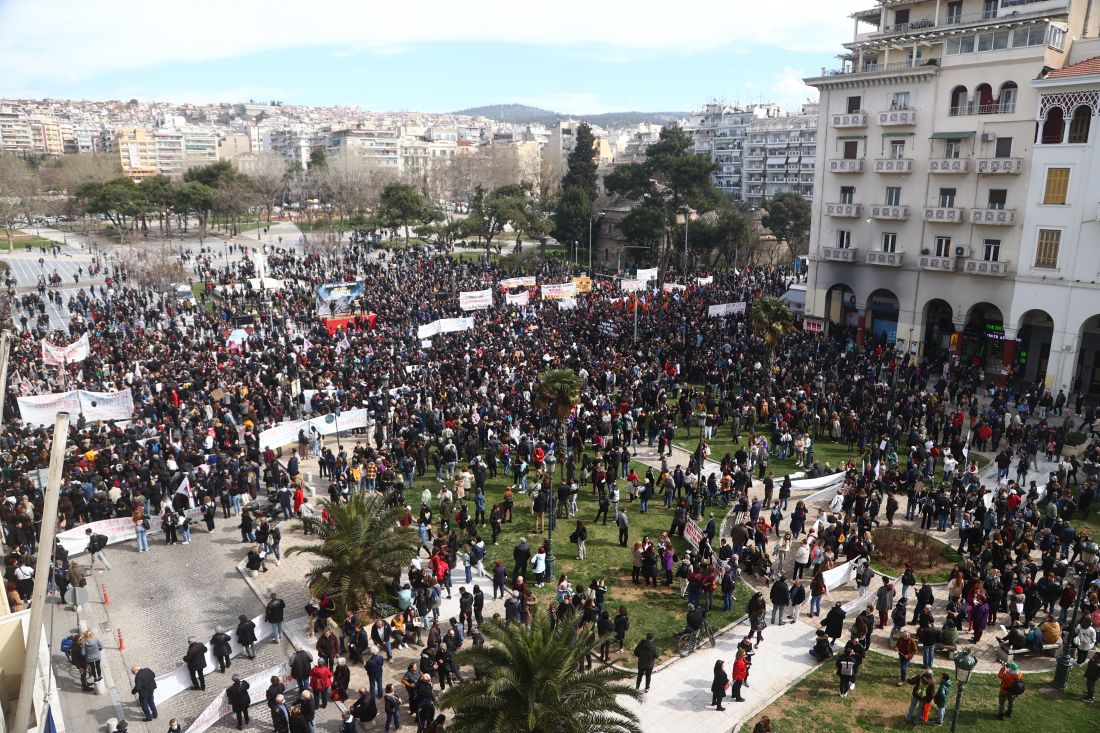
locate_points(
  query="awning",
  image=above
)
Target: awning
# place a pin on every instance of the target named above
(777, 160)
(951, 135)
(851, 137)
(898, 134)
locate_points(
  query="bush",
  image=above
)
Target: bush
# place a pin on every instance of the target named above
(896, 547)
(1075, 438)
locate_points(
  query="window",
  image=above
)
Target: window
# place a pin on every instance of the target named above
(954, 12)
(843, 239)
(952, 148)
(1079, 124)
(855, 104)
(960, 104)
(851, 149)
(947, 198)
(992, 250)
(1054, 127)
(1008, 97)
(1046, 251)
(889, 242)
(1056, 37)
(1057, 186)
(893, 195)
(900, 100)
(943, 246)
(989, 9)
(901, 17)
(997, 198)
(897, 149)
(847, 194)
(1004, 148)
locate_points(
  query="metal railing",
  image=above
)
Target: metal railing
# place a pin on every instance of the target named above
(871, 67)
(925, 24)
(1005, 108)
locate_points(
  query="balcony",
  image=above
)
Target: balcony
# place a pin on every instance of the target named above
(851, 119)
(982, 267)
(844, 211)
(897, 117)
(887, 259)
(944, 214)
(939, 264)
(995, 166)
(948, 165)
(995, 217)
(846, 165)
(891, 213)
(894, 165)
(838, 254)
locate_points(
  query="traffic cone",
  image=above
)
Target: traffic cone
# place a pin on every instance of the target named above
(121, 643)
(106, 598)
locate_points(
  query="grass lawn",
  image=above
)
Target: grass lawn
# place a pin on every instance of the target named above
(825, 451)
(659, 610)
(30, 241)
(472, 256)
(878, 704)
(941, 573)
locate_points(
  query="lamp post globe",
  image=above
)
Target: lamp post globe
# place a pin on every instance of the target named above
(964, 666)
(550, 461)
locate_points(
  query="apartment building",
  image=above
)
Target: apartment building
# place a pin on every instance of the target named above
(925, 144)
(136, 148)
(380, 146)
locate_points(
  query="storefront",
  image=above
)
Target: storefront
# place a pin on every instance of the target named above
(883, 309)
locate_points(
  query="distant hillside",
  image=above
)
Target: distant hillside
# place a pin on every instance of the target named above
(522, 114)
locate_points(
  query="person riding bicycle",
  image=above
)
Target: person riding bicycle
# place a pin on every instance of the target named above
(696, 620)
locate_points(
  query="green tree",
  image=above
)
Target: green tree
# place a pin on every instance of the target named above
(197, 198)
(120, 200)
(530, 684)
(402, 203)
(771, 320)
(726, 232)
(672, 178)
(489, 212)
(572, 212)
(557, 392)
(317, 158)
(582, 164)
(788, 217)
(362, 548)
(160, 192)
(644, 225)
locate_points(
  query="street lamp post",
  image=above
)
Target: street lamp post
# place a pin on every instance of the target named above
(819, 382)
(550, 461)
(1089, 551)
(964, 665)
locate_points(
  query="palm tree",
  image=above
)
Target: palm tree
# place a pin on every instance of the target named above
(771, 318)
(362, 548)
(530, 684)
(558, 391)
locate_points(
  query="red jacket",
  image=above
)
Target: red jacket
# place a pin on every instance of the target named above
(740, 670)
(320, 678)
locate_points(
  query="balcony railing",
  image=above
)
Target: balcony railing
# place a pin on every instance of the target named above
(840, 254)
(893, 213)
(850, 119)
(940, 264)
(923, 25)
(846, 211)
(983, 267)
(944, 214)
(894, 165)
(846, 165)
(897, 117)
(996, 217)
(871, 67)
(948, 165)
(994, 108)
(888, 259)
(993, 166)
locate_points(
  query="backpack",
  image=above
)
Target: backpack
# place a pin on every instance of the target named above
(1017, 688)
(66, 645)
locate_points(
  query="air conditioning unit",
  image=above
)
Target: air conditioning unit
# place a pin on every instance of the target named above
(962, 250)
(988, 137)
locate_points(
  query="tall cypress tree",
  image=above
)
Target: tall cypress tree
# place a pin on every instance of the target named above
(582, 163)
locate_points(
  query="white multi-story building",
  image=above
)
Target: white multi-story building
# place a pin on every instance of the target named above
(925, 142)
(380, 146)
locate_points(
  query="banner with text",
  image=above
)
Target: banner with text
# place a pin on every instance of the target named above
(78, 350)
(475, 300)
(115, 530)
(557, 291)
(583, 283)
(444, 325)
(647, 274)
(257, 692)
(528, 281)
(704, 280)
(630, 286)
(523, 298)
(726, 309)
(43, 409)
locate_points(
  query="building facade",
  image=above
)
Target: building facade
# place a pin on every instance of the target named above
(925, 143)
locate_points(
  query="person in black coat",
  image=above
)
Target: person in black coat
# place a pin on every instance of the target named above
(719, 684)
(220, 644)
(646, 652)
(341, 678)
(834, 622)
(300, 665)
(239, 699)
(195, 659)
(246, 635)
(145, 684)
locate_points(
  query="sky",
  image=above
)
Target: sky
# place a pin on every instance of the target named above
(569, 56)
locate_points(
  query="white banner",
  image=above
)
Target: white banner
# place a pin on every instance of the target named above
(527, 281)
(630, 286)
(673, 287)
(327, 424)
(838, 576)
(43, 409)
(648, 274)
(428, 330)
(523, 298)
(567, 304)
(693, 534)
(444, 325)
(119, 529)
(106, 405)
(557, 291)
(705, 280)
(59, 355)
(280, 435)
(726, 309)
(257, 692)
(475, 300)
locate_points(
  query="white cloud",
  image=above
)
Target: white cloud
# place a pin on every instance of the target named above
(790, 92)
(70, 41)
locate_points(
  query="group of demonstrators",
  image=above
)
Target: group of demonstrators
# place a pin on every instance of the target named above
(449, 412)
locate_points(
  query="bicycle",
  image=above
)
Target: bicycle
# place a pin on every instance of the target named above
(688, 641)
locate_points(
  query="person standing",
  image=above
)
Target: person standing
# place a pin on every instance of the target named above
(392, 705)
(780, 597)
(1092, 673)
(521, 554)
(906, 648)
(320, 682)
(1012, 685)
(884, 601)
(718, 685)
(195, 659)
(273, 614)
(646, 652)
(300, 663)
(943, 694)
(96, 543)
(92, 649)
(219, 644)
(141, 530)
(846, 665)
(246, 635)
(374, 667)
(239, 699)
(623, 523)
(923, 693)
(740, 675)
(145, 684)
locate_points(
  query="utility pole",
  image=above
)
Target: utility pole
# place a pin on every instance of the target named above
(41, 571)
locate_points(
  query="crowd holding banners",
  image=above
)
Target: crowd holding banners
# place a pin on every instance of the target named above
(470, 396)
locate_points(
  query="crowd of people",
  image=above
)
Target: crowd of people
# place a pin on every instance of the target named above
(461, 409)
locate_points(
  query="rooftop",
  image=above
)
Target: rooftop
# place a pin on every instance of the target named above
(1088, 67)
